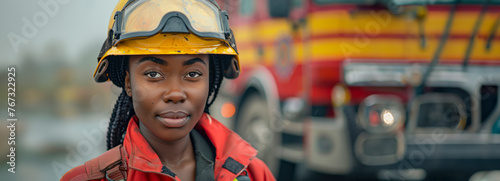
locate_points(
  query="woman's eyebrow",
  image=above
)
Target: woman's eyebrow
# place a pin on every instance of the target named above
(192, 61)
(153, 59)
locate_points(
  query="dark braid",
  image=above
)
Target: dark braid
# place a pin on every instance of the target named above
(118, 122)
(216, 76)
(124, 109)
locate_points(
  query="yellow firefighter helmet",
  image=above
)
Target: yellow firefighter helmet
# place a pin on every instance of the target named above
(159, 27)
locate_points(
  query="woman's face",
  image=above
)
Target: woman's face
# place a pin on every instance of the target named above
(169, 92)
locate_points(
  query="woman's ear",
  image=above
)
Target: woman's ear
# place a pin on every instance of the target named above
(128, 87)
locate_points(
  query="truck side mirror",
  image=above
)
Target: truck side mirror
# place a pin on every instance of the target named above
(279, 8)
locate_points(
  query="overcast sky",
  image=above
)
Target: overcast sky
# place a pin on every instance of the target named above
(75, 26)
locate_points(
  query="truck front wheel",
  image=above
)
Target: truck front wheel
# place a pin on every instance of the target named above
(253, 124)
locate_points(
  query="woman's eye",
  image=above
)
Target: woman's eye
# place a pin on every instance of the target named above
(153, 74)
(193, 75)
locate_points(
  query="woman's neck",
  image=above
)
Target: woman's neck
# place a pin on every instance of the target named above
(174, 154)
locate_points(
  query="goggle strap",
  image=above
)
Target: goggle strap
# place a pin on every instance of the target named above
(225, 23)
(117, 26)
(232, 40)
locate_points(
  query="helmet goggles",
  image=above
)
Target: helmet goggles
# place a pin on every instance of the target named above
(142, 18)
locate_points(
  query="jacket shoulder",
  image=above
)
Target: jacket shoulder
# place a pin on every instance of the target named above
(76, 174)
(258, 170)
(97, 168)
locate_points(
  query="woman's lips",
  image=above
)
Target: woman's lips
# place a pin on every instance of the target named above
(173, 119)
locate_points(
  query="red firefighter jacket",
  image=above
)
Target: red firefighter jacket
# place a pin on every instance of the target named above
(233, 156)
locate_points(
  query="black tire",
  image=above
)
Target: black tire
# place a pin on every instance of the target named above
(253, 125)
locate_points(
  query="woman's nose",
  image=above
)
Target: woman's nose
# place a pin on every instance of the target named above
(175, 94)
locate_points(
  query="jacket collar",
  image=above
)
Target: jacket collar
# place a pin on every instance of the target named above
(229, 147)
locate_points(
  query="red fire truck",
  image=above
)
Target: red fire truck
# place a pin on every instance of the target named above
(399, 89)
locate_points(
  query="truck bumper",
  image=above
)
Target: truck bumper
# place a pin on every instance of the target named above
(329, 149)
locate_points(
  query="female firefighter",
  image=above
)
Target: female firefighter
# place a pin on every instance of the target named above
(169, 57)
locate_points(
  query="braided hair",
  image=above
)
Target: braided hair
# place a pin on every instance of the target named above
(124, 109)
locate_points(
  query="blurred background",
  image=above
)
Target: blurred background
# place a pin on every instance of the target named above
(53, 45)
(329, 89)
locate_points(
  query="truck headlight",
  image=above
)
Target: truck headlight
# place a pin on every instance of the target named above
(381, 113)
(387, 117)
